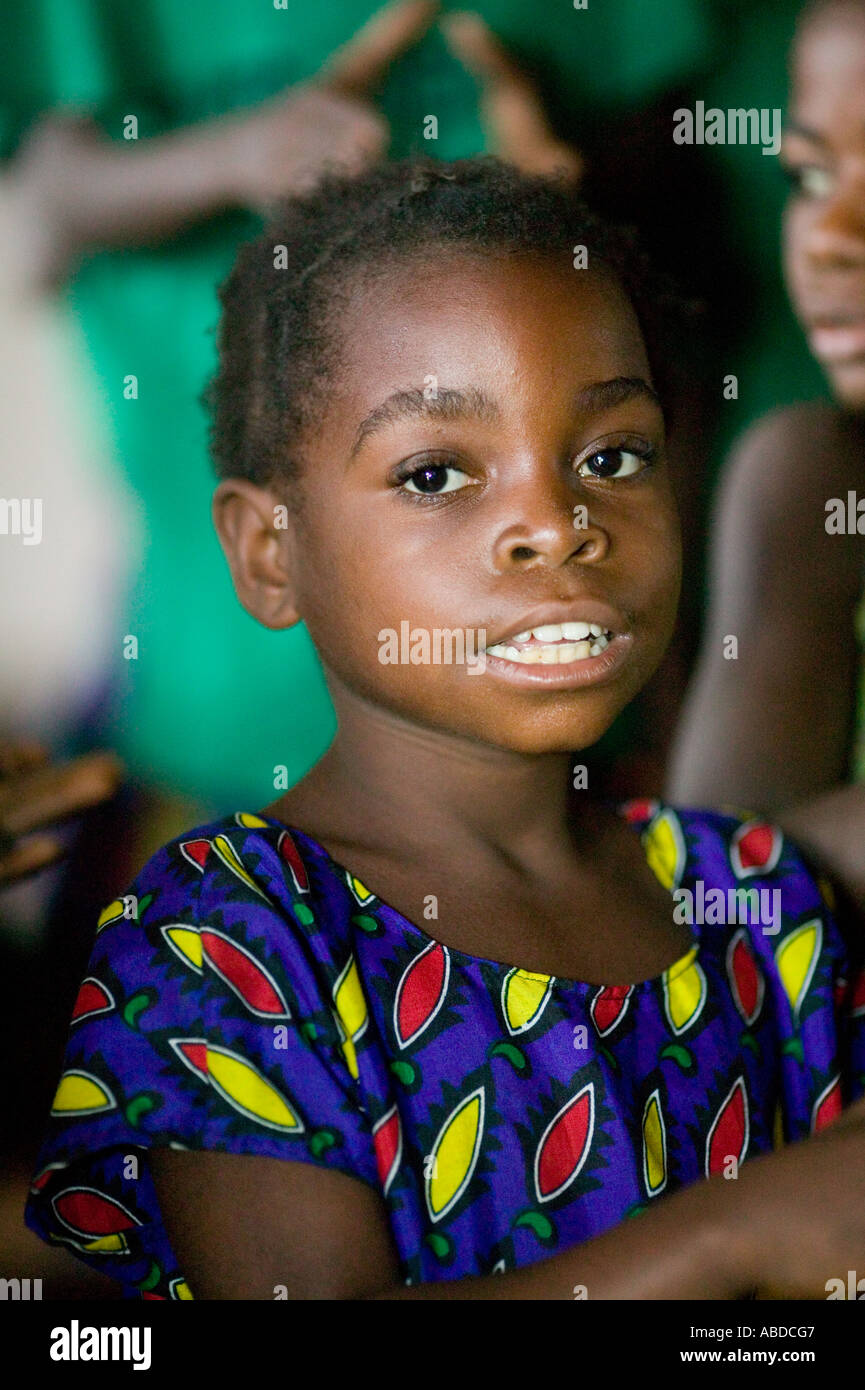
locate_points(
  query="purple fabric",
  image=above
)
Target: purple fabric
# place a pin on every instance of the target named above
(250, 996)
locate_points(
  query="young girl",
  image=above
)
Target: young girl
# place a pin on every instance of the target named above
(433, 1023)
(782, 727)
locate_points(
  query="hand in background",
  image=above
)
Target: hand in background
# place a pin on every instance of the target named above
(35, 794)
(71, 188)
(512, 111)
(284, 145)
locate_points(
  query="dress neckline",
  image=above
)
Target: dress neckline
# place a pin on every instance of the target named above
(665, 977)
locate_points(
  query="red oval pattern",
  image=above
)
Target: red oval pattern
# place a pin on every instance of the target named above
(420, 991)
(248, 978)
(564, 1148)
(727, 1136)
(386, 1143)
(756, 846)
(92, 998)
(746, 979)
(92, 1213)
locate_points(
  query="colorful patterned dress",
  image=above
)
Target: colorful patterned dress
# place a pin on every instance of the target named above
(251, 995)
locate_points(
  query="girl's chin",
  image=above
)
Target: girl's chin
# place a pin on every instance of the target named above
(848, 386)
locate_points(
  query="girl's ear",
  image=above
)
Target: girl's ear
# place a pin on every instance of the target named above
(256, 531)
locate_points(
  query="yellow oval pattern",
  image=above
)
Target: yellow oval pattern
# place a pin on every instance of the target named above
(232, 860)
(350, 1003)
(112, 913)
(796, 957)
(361, 892)
(684, 992)
(455, 1154)
(80, 1093)
(247, 1090)
(107, 1245)
(187, 942)
(654, 1146)
(523, 998)
(664, 844)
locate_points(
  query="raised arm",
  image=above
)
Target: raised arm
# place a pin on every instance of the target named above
(772, 726)
(80, 190)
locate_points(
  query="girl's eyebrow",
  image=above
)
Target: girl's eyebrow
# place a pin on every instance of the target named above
(447, 403)
(441, 403)
(603, 395)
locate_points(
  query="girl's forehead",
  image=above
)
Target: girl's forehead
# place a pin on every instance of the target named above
(436, 306)
(829, 52)
(520, 336)
(827, 93)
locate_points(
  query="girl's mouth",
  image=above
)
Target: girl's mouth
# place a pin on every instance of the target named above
(554, 644)
(542, 664)
(837, 340)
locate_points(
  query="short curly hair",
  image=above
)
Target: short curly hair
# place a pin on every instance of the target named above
(278, 336)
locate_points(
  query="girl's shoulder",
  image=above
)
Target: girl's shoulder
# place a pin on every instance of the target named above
(697, 851)
(219, 887)
(755, 902)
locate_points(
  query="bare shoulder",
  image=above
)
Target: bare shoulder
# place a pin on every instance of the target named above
(779, 486)
(798, 455)
(326, 1234)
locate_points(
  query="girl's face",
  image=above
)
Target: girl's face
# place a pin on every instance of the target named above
(824, 226)
(481, 401)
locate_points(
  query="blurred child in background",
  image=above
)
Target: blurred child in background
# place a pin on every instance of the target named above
(780, 725)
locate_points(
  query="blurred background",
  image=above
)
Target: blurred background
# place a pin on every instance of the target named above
(140, 145)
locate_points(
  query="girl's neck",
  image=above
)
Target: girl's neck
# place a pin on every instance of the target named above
(386, 782)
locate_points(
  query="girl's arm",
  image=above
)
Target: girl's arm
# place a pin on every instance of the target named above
(770, 726)
(250, 1227)
(831, 831)
(81, 190)
(260, 1228)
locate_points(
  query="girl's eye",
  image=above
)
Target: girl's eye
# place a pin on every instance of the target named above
(613, 463)
(811, 181)
(435, 478)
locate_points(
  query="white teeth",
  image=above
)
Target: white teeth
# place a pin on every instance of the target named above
(575, 632)
(554, 644)
(550, 654)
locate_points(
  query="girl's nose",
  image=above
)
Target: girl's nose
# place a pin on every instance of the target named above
(548, 537)
(836, 238)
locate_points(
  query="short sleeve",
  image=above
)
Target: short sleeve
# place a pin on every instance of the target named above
(786, 953)
(204, 1021)
(813, 971)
